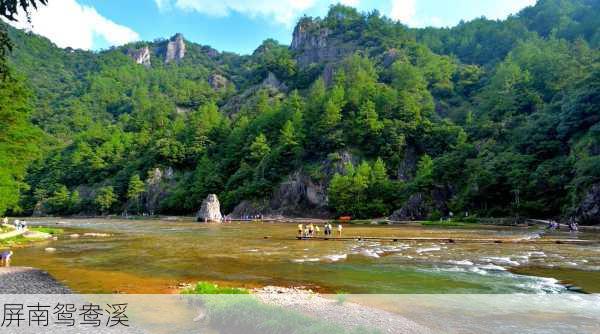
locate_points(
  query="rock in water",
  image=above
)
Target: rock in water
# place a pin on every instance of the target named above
(210, 211)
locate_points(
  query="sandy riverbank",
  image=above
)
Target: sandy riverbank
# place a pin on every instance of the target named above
(349, 315)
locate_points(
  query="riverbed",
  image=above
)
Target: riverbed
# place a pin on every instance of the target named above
(158, 256)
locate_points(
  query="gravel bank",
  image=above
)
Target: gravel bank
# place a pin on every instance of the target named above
(348, 315)
(25, 280)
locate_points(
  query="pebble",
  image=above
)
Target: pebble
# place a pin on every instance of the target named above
(23, 280)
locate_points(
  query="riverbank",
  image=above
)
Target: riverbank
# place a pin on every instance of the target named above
(26, 280)
(20, 238)
(348, 315)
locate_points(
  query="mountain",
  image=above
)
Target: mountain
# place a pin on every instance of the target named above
(360, 115)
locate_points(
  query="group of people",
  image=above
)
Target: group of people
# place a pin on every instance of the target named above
(18, 224)
(252, 217)
(313, 230)
(554, 225)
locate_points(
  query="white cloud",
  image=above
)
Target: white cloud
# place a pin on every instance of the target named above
(69, 24)
(353, 3)
(504, 8)
(282, 11)
(404, 11)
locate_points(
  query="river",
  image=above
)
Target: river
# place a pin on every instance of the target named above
(156, 256)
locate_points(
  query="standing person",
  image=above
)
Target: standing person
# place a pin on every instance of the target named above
(5, 258)
(300, 230)
(5, 220)
(311, 229)
(317, 230)
(339, 230)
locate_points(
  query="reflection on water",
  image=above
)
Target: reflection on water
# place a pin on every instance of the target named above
(155, 255)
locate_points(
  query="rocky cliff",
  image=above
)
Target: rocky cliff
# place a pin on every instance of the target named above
(140, 56)
(588, 211)
(175, 49)
(301, 194)
(217, 81)
(314, 43)
(158, 185)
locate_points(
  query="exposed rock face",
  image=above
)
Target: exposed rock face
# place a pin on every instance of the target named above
(408, 165)
(175, 49)
(140, 56)
(210, 211)
(39, 210)
(157, 185)
(588, 211)
(271, 84)
(390, 56)
(336, 163)
(273, 81)
(218, 82)
(248, 208)
(210, 52)
(414, 209)
(313, 44)
(420, 205)
(299, 195)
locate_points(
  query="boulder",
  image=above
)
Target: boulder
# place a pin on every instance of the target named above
(210, 211)
(588, 211)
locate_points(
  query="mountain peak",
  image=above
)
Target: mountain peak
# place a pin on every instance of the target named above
(175, 50)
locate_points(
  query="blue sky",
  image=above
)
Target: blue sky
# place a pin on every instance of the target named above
(230, 25)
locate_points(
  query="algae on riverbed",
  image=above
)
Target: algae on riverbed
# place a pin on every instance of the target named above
(155, 256)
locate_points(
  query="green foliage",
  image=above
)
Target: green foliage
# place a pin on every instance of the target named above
(363, 191)
(19, 141)
(491, 117)
(259, 148)
(105, 198)
(206, 288)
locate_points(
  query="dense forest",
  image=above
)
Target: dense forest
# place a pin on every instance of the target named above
(360, 116)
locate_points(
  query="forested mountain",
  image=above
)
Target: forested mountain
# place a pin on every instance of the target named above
(360, 115)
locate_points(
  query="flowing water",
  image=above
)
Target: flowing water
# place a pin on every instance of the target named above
(154, 256)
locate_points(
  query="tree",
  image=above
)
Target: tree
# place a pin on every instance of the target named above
(19, 141)
(424, 177)
(8, 10)
(259, 147)
(60, 201)
(135, 189)
(105, 198)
